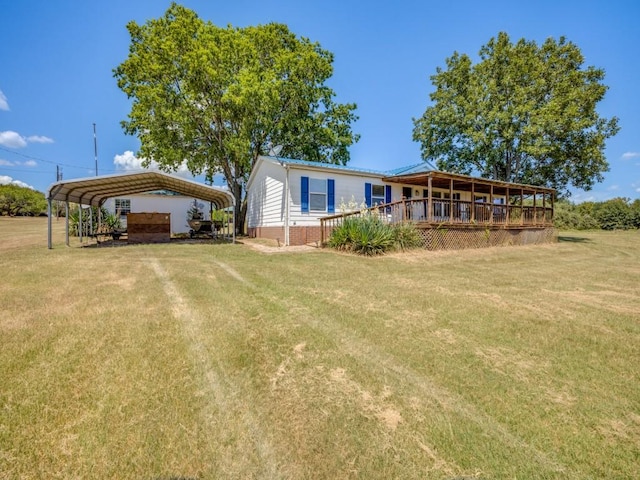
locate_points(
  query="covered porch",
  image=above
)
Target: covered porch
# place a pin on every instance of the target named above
(462, 200)
(459, 211)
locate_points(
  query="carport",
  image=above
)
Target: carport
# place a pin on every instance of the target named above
(94, 191)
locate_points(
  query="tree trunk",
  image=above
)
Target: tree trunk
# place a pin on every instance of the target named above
(240, 210)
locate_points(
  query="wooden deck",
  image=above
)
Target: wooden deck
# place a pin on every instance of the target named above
(447, 216)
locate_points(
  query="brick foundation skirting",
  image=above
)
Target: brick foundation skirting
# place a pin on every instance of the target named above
(298, 235)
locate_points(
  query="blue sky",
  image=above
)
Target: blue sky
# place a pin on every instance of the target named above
(57, 57)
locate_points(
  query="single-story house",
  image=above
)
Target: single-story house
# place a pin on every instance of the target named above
(299, 202)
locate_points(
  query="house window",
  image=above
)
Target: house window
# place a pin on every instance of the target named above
(123, 206)
(317, 195)
(377, 194)
(480, 198)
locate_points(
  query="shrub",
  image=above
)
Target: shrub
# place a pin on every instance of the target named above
(372, 236)
(571, 217)
(365, 234)
(614, 214)
(369, 235)
(406, 236)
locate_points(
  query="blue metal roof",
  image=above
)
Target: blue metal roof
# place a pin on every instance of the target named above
(416, 168)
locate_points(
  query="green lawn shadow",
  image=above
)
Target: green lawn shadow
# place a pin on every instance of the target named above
(572, 239)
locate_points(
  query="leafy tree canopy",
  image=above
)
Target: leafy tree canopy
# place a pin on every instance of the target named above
(524, 113)
(16, 200)
(218, 97)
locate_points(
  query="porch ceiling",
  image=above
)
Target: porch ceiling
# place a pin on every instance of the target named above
(443, 180)
(95, 190)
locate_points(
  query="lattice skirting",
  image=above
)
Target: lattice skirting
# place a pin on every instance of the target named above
(442, 238)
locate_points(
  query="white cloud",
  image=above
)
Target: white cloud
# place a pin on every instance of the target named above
(613, 188)
(128, 162)
(27, 163)
(7, 180)
(4, 104)
(39, 139)
(12, 139)
(630, 155)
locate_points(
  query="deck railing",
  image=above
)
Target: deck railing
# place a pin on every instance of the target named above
(448, 212)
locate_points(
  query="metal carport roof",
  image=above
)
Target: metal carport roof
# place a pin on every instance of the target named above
(95, 190)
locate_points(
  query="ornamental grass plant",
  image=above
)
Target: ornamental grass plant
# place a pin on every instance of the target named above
(369, 234)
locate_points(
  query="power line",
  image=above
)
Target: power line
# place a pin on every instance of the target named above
(30, 157)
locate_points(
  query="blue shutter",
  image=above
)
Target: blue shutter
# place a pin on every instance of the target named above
(304, 194)
(367, 194)
(387, 194)
(331, 195)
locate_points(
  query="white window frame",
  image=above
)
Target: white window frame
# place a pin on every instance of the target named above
(119, 207)
(317, 191)
(377, 199)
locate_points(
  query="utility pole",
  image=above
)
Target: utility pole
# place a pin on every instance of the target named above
(95, 147)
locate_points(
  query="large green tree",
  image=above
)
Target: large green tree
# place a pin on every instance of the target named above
(16, 200)
(523, 113)
(217, 98)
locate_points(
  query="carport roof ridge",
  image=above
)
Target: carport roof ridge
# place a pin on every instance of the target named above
(95, 190)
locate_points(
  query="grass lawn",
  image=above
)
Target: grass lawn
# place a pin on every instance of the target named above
(199, 361)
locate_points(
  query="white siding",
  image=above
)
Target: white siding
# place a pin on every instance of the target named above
(176, 205)
(346, 187)
(265, 198)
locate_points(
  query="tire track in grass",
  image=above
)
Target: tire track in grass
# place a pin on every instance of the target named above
(352, 344)
(218, 388)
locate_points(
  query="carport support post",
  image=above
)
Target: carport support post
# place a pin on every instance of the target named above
(80, 222)
(66, 221)
(49, 243)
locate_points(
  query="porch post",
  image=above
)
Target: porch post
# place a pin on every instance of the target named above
(491, 203)
(521, 206)
(473, 201)
(451, 200)
(535, 215)
(507, 203)
(429, 201)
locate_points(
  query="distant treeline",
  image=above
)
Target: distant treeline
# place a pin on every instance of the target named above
(615, 214)
(21, 201)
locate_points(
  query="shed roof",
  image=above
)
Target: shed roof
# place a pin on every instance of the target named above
(95, 190)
